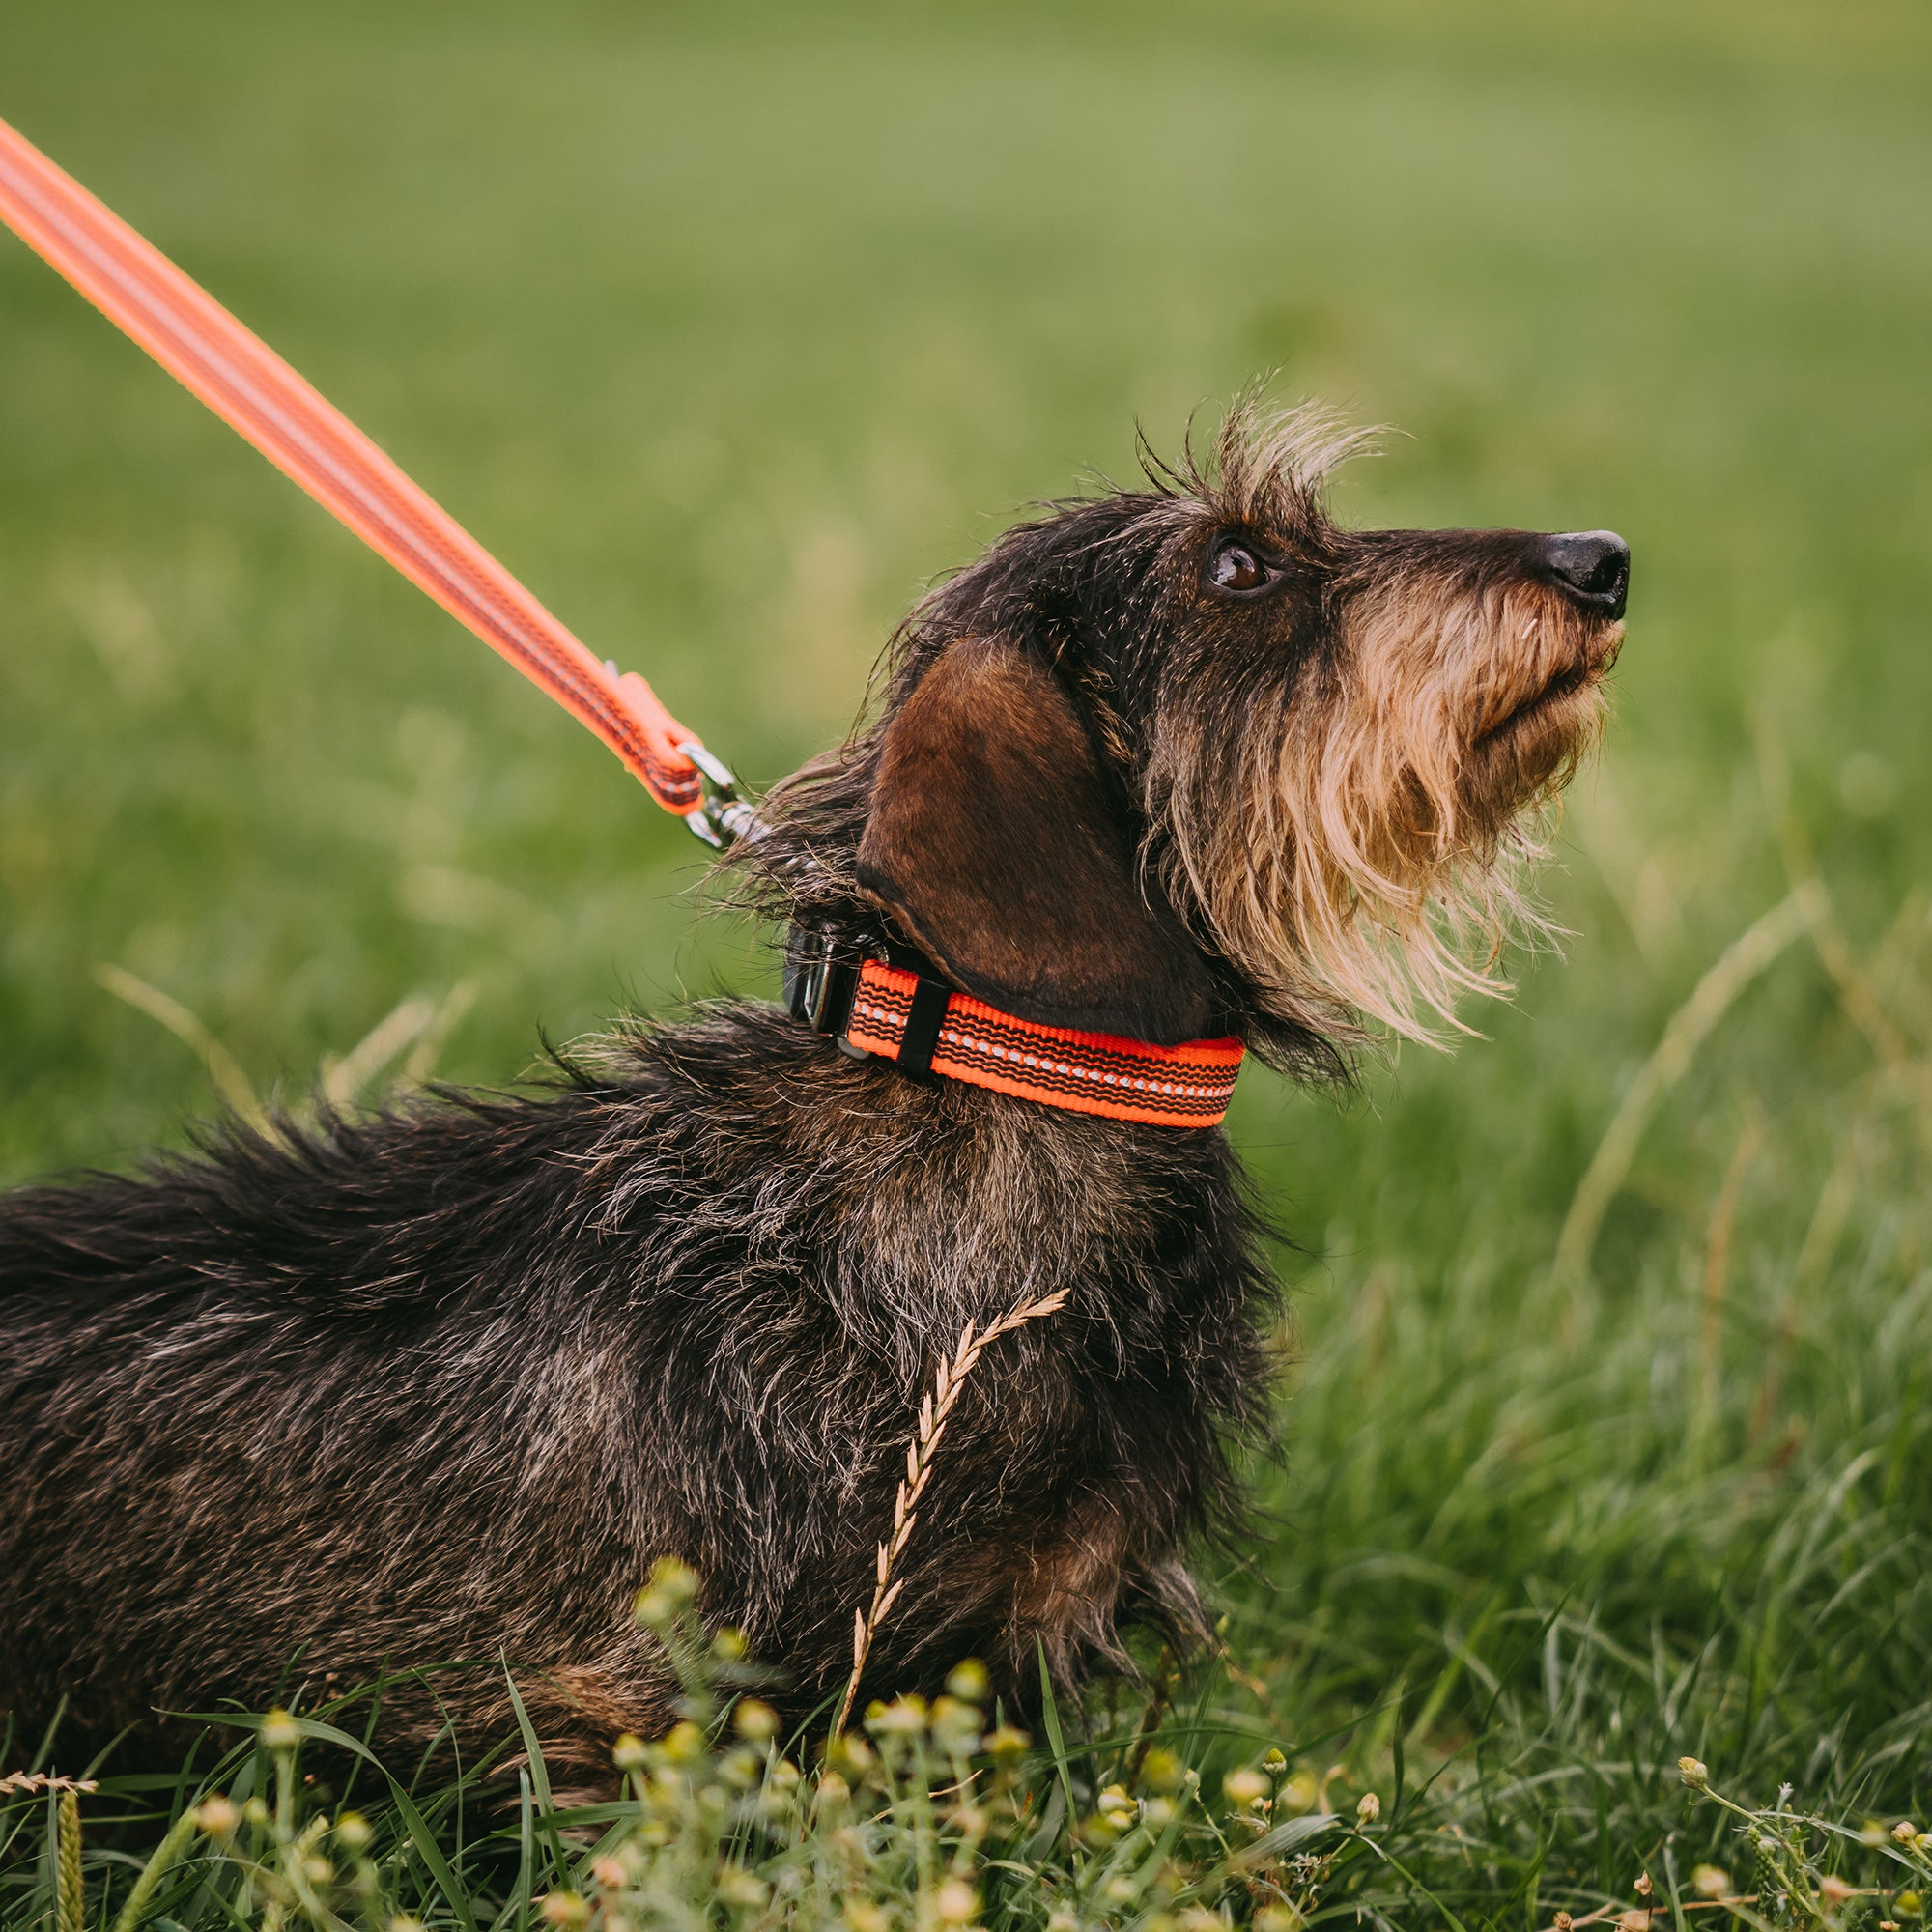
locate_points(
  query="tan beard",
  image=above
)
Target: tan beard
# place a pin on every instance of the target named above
(1370, 864)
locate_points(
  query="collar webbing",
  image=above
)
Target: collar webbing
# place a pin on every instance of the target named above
(1185, 1086)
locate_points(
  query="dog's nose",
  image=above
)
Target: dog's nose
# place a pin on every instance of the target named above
(1594, 566)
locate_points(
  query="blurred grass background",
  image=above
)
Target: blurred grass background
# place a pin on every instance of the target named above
(728, 328)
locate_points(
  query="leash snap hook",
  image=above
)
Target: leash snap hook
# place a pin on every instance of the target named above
(723, 817)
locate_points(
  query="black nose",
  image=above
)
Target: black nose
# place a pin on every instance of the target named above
(1594, 566)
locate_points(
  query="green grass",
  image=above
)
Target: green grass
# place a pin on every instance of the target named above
(727, 328)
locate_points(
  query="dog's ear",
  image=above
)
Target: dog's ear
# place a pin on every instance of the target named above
(1004, 850)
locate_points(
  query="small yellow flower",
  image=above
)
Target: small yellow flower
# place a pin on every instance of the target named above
(1161, 1771)
(317, 1869)
(955, 1901)
(1905, 1831)
(966, 1681)
(1279, 1918)
(352, 1832)
(755, 1720)
(863, 1915)
(729, 1645)
(1710, 1882)
(1299, 1795)
(256, 1811)
(671, 1591)
(735, 1885)
(1693, 1773)
(852, 1755)
(1007, 1745)
(684, 1743)
(1833, 1889)
(1115, 1804)
(567, 1910)
(1246, 1786)
(956, 1725)
(608, 1873)
(1369, 1808)
(902, 1717)
(218, 1815)
(280, 1732)
(1274, 1764)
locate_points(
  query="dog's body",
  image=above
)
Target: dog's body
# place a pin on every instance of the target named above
(445, 1383)
(442, 1385)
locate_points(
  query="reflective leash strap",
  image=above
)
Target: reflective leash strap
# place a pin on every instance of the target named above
(256, 394)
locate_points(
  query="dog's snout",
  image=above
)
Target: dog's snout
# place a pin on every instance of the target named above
(1593, 566)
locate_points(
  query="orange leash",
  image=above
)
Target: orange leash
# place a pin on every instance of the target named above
(256, 393)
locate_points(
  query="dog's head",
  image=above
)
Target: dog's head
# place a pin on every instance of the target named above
(1196, 758)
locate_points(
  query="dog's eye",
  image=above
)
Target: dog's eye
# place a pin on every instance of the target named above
(1237, 568)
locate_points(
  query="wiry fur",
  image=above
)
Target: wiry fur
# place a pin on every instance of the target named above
(441, 1383)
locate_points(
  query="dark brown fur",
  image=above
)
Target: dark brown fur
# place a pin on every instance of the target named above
(441, 1383)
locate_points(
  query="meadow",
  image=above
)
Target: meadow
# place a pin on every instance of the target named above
(1603, 1438)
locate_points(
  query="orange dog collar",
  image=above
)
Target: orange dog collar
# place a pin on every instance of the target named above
(903, 1017)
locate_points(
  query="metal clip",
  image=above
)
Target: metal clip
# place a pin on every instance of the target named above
(724, 817)
(819, 983)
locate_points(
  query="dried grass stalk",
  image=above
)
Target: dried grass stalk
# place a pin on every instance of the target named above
(935, 1411)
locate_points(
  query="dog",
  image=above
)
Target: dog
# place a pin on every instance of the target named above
(1168, 775)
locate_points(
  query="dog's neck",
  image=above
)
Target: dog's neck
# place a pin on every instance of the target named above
(882, 999)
